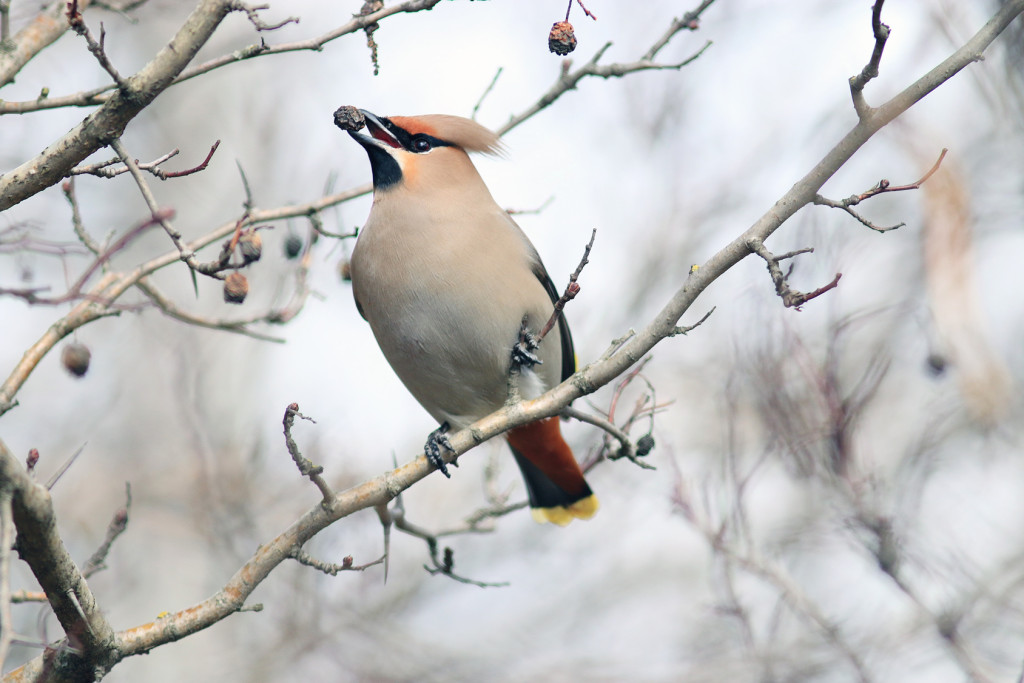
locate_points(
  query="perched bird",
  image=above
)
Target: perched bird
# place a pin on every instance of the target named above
(447, 281)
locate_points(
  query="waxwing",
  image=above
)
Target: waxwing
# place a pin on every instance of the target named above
(447, 280)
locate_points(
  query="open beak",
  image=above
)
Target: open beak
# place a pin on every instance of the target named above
(379, 135)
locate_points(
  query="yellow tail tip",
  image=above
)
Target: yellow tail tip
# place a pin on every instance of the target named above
(581, 509)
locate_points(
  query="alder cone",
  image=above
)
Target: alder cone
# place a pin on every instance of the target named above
(75, 358)
(562, 39)
(235, 288)
(292, 246)
(251, 246)
(349, 118)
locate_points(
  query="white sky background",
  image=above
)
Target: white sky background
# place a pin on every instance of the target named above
(668, 166)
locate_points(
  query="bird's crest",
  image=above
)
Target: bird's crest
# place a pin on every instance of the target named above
(455, 130)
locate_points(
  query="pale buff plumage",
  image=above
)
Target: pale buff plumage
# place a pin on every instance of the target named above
(445, 277)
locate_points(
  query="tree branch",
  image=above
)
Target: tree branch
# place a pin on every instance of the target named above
(47, 26)
(109, 121)
(89, 635)
(111, 286)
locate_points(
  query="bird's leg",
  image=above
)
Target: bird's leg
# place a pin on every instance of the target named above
(437, 440)
(523, 355)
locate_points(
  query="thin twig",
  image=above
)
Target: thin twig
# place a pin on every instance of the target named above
(870, 70)
(306, 467)
(77, 24)
(164, 175)
(582, 7)
(627, 449)
(571, 289)
(117, 526)
(791, 298)
(55, 477)
(347, 565)
(172, 310)
(487, 91)
(684, 329)
(443, 565)
(881, 187)
(252, 12)
(568, 80)
(6, 541)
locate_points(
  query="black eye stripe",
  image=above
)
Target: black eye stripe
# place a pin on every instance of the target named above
(408, 141)
(422, 142)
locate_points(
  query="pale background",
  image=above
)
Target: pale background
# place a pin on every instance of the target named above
(668, 166)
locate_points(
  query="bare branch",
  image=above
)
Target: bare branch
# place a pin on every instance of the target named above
(568, 80)
(118, 524)
(252, 12)
(444, 565)
(883, 186)
(304, 558)
(170, 309)
(164, 175)
(306, 467)
(571, 289)
(684, 329)
(98, 301)
(77, 24)
(47, 26)
(108, 122)
(98, 96)
(791, 298)
(689, 21)
(6, 541)
(39, 544)
(870, 70)
(627, 449)
(582, 7)
(103, 169)
(358, 23)
(486, 92)
(625, 353)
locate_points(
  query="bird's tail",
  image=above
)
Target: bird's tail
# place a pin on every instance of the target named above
(555, 485)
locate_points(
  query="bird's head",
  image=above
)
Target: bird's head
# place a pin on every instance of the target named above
(409, 150)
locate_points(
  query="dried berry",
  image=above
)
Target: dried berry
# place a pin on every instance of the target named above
(561, 40)
(75, 358)
(349, 118)
(644, 445)
(235, 288)
(936, 363)
(292, 246)
(345, 270)
(250, 244)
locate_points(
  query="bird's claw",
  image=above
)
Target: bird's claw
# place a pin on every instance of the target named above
(437, 440)
(523, 355)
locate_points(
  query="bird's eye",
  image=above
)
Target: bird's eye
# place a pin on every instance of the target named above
(420, 145)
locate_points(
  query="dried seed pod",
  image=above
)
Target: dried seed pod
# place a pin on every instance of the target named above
(644, 445)
(75, 358)
(235, 288)
(562, 39)
(292, 246)
(250, 244)
(345, 270)
(349, 118)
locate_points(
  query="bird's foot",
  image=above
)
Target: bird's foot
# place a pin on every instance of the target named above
(437, 440)
(523, 355)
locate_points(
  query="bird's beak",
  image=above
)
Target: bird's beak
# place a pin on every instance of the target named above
(379, 135)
